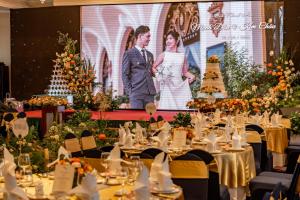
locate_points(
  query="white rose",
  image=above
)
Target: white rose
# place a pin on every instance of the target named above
(271, 53)
(286, 62)
(291, 63)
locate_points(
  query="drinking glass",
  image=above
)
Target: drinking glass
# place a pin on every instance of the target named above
(122, 177)
(104, 163)
(24, 163)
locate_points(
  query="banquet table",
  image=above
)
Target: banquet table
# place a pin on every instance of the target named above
(106, 192)
(236, 167)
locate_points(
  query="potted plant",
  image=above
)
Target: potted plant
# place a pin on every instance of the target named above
(295, 126)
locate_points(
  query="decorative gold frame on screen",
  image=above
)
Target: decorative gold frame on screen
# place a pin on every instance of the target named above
(99, 2)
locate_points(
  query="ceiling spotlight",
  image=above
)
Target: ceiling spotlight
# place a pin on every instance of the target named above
(42, 1)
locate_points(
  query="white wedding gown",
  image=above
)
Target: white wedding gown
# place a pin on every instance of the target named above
(174, 92)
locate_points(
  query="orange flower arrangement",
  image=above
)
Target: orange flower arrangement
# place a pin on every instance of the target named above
(213, 59)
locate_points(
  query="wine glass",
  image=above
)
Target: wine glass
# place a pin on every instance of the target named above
(122, 177)
(24, 163)
(104, 163)
(135, 166)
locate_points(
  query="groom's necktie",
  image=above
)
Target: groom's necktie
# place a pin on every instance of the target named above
(144, 55)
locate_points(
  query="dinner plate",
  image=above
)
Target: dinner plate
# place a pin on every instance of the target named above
(215, 152)
(236, 149)
(172, 190)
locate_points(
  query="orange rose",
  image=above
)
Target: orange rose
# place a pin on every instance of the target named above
(269, 64)
(71, 56)
(72, 62)
(102, 136)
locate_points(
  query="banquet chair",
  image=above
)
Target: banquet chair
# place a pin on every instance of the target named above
(293, 153)
(254, 127)
(220, 125)
(276, 194)
(108, 148)
(266, 163)
(254, 139)
(89, 147)
(150, 153)
(215, 190)
(72, 145)
(191, 173)
(266, 181)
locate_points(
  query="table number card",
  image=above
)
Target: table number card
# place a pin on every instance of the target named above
(63, 178)
(179, 138)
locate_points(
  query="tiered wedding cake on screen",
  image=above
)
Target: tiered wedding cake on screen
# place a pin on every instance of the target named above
(58, 86)
(212, 83)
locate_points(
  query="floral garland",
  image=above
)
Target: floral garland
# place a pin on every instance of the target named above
(210, 89)
(210, 75)
(213, 59)
(47, 101)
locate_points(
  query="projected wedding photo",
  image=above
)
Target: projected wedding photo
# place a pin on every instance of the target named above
(149, 100)
(199, 30)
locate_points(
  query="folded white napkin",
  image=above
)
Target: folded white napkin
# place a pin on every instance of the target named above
(115, 160)
(87, 190)
(211, 140)
(156, 166)
(276, 119)
(163, 138)
(266, 118)
(128, 141)
(164, 177)
(228, 131)
(139, 137)
(127, 126)
(141, 188)
(165, 128)
(236, 140)
(256, 119)
(122, 135)
(61, 151)
(8, 167)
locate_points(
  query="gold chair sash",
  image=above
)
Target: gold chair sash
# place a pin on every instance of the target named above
(189, 169)
(213, 166)
(72, 145)
(147, 163)
(253, 137)
(95, 163)
(88, 142)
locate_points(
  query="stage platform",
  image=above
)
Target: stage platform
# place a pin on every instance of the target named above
(122, 115)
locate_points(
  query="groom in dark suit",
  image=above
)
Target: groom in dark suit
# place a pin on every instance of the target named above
(136, 71)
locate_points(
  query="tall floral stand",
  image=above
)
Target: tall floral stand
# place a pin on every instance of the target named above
(212, 82)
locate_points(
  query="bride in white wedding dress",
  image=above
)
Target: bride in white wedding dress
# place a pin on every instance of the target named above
(169, 68)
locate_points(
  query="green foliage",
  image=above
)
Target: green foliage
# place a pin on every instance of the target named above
(295, 122)
(182, 119)
(239, 73)
(79, 117)
(118, 100)
(195, 86)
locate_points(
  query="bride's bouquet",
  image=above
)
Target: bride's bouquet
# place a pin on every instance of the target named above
(164, 74)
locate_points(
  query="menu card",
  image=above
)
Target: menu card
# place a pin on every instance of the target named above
(179, 138)
(63, 178)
